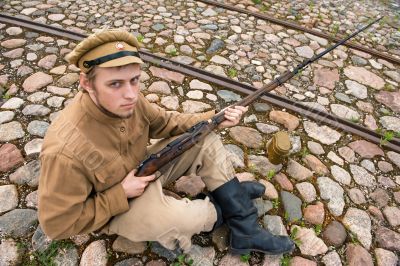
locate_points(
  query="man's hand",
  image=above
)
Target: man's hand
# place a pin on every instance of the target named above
(134, 186)
(232, 116)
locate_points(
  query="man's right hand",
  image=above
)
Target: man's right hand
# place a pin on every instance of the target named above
(134, 186)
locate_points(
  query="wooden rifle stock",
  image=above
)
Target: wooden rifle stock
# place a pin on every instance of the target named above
(197, 132)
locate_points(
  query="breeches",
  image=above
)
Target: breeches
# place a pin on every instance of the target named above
(154, 216)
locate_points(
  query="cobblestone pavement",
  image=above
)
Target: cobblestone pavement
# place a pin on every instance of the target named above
(338, 195)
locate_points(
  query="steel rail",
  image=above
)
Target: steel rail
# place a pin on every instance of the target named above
(320, 116)
(304, 29)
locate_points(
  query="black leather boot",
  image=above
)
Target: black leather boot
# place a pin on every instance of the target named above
(253, 189)
(240, 214)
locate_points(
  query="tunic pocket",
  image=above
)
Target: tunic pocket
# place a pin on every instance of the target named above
(110, 174)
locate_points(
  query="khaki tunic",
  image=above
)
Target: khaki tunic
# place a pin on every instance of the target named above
(86, 154)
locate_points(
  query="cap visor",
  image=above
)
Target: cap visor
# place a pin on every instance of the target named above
(122, 61)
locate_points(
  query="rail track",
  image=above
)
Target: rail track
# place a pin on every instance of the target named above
(303, 29)
(314, 114)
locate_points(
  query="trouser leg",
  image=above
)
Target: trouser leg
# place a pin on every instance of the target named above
(156, 217)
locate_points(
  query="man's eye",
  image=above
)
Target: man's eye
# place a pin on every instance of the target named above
(115, 84)
(134, 80)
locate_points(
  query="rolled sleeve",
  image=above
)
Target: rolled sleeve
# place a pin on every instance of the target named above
(117, 199)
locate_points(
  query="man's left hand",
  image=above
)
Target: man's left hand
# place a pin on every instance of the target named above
(232, 116)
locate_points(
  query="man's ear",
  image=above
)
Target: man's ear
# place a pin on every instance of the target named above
(84, 82)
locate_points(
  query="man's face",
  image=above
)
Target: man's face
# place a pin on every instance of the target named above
(115, 89)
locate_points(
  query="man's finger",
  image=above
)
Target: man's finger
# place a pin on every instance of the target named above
(148, 178)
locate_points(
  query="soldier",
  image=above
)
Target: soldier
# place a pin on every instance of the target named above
(90, 152)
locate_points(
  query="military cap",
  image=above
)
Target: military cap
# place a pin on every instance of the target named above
(108, 48)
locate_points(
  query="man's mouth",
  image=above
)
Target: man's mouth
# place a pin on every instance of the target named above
(128, 105)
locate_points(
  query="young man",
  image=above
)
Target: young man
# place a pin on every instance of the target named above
(91, 150)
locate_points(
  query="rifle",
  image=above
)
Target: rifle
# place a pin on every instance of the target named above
(197, 132)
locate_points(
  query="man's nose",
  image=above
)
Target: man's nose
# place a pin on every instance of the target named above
(131, 91)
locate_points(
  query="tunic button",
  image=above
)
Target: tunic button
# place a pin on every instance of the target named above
(122, 129)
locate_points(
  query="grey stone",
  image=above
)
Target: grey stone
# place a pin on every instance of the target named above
(395, 75)
(333, 192)
(202, 255)
(263, 206)
(27, 174)
(38, 96)
(122, 244)
(8, 198)
(315, 148)
(359, 223)
(220, 237)
(70, 257)
(344, 112)
(262, 107)
(369, 165)
(393, 156)
(95, 254)
(13, 103)
(18, 222)
(10, 253)
(343, 97)
(198, 85)
(390, 123)
(307, 191)
(186, 60)
(11, 131)
(6, 116)
(228, 96)
(33, 146)
(40, 242)
(215, 46)
(332, 259)
(262, 165)
(274, 224)
(296, 144)
(340, 175)
(161, 251)
(304, 51)
(358, 61)
(266, 128)
(132, 262)
(362, 177)
(170, 102)
(36, 110)
(194, 106)
(38, 128)
(356, 89)
(324, 134)
(292, 206)
(55, 101)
